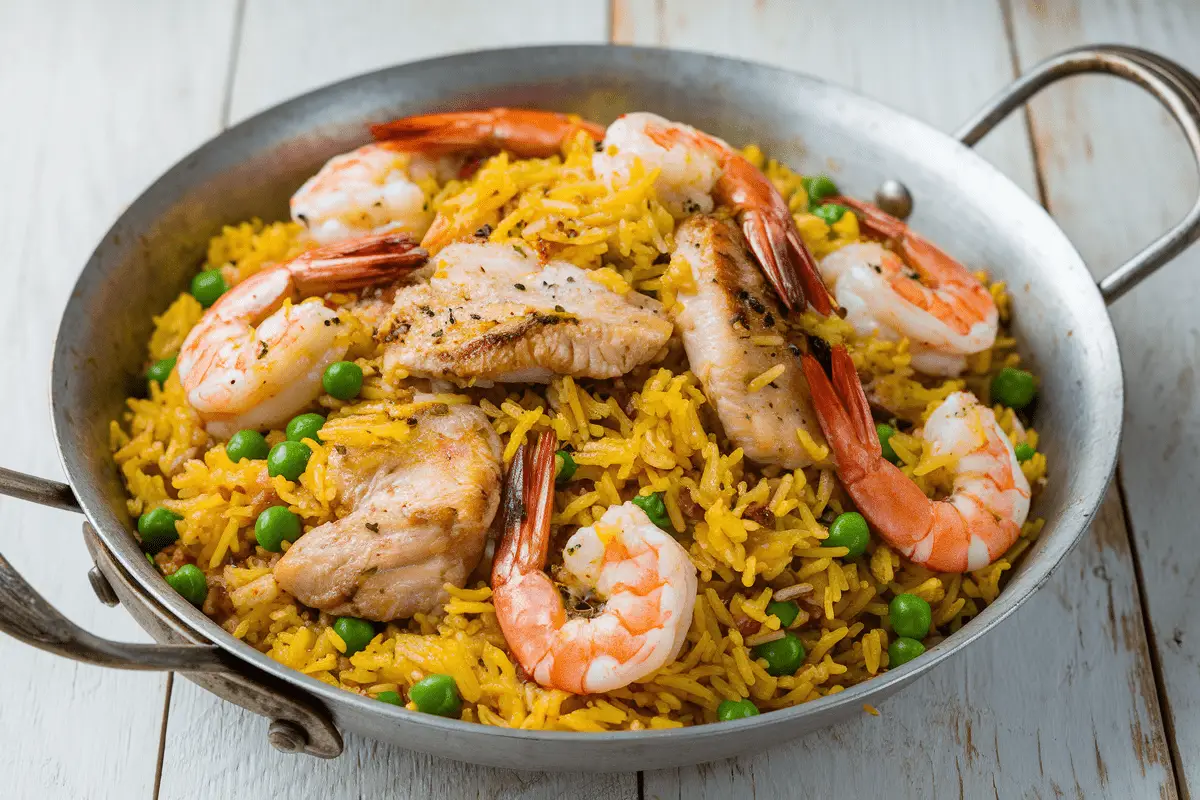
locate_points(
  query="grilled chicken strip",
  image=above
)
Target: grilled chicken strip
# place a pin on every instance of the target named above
(720, 322)
(418, 517)
(493, 314)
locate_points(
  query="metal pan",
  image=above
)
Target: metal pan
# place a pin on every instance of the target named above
(250, 170)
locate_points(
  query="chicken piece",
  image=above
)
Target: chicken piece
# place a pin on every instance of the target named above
(493, 314)
(726, 324)
(418, 517)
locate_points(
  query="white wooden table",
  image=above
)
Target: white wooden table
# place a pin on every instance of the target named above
(1091, 690)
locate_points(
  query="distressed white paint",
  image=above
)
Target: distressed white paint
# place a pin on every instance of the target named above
(1020, 713)
(1117, 174)
(97, 100)
(290, 47)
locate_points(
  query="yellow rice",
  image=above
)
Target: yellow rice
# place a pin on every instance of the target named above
(658, 441)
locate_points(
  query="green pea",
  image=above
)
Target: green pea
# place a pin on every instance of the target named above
(786, 611)
(1013, 387)
(157, 528)
(830, 212)
(303, 427)
(207, 286)
(160, 370)
(903, 650)
(356, 633)
(436, 694)
(564, 467)
(1024, 451)
(886, 432)
(288, 459)
(736, 709)
(910, 616)
(849, 530)
(392, 698)
(275, 526)
(818, 187)
(247, 444)
(655, 509)
(783, 656)
(190, 582)
(343, 380)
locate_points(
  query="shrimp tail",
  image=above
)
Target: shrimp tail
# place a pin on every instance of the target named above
(357, 263)
(895, 506)
(528, 133)
(786, 260)
(527, 505)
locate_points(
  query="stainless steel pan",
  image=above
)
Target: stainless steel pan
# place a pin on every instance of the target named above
(250, 170)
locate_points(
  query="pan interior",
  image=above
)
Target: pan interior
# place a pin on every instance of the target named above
(251, 170)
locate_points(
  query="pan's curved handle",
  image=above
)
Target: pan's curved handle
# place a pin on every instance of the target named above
(298, 724)
(25, 615)
(37, 490)
(1171, 84)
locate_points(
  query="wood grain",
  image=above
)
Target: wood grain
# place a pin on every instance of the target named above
(1018, 714)
(98, 99)
(213, 749)
(1117, 174)
(291, 47)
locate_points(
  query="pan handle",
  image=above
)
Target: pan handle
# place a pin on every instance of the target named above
(27, 616)
(299, 724)
(1171, 84)
(37, 490)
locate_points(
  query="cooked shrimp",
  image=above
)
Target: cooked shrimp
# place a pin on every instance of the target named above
(256, 357)
(524, 132)
(692, 164)
(916, 291)
(490, 313)
(417, 517)
(374, 189)
(972, 527)
(732, 329)
(644, 578)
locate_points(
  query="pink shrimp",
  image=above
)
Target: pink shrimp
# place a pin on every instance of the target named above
(766, 219)
(524, 132)
(971, 528)
(644, 577)
(255, 358)
(915, 291)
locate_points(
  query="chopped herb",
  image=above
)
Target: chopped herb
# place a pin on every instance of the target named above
(518, 249)
(263, 351)
(484, 231)
(560, 309)
(476, 316)
(769, 320)
(519, 286)
(373, 527)
(437, 333)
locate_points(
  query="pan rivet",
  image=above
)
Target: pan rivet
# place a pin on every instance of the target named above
(893, 197)
(286, 736)
(102, 588)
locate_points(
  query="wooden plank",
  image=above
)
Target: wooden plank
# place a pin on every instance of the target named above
(292, 47)
(1117, 174)
(1017, 715)
(213, 749)
(98, 100)
(218, 750)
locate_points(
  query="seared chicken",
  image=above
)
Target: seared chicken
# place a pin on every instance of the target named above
(731, 329)
(415, 516)
(495, 314)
